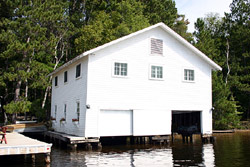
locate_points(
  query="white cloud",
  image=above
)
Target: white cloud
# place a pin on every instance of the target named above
(194, 9)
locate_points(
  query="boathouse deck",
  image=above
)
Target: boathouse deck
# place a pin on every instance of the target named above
(18, 144)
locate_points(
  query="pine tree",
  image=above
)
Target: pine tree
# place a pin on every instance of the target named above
(212, 43)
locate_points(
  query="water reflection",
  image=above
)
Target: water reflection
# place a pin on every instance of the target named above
(230, 150)
(178, 154)
(208, 155)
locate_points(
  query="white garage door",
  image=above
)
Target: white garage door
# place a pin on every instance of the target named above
(116, 123)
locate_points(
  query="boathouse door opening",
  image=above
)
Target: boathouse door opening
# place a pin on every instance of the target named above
(182, 120)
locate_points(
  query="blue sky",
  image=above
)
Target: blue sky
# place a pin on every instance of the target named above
(194, 9)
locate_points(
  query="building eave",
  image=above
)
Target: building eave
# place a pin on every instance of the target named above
(164, 27)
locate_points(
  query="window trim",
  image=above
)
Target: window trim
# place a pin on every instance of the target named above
(113, 69)
(183, 75)
(56, 81)
(150, 72)
(65, 72)
(80, 75)
(150, 47)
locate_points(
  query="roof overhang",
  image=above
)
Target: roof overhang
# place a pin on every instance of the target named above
(164, 27)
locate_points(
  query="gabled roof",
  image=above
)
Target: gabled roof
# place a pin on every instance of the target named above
(161, 25)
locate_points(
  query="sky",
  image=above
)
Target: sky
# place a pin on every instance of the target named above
(193, 9)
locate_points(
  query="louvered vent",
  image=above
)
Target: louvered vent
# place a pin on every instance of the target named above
(156, 46)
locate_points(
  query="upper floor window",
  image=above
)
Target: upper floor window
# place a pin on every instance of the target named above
(120, 69)
(188, 75)
(78, 70)
(156, 46)
(65, 76)
(156, 72)
(56, 81)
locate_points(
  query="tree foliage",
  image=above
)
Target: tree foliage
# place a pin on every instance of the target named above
(226, 40)
(37, 37)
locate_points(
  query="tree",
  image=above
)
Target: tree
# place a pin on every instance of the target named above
(211, 40)
(165, 11)
(238, 26)
(109, 21)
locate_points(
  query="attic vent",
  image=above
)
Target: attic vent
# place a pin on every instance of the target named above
(156, 46)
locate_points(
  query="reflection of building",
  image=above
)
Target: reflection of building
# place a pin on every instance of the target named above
(133, 86)
(208, 155)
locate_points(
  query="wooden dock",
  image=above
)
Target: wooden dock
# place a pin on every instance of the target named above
(72, 140)
(18, 144)
(27, 127)
(224, 131)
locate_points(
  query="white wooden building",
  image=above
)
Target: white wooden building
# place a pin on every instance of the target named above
(134, 86)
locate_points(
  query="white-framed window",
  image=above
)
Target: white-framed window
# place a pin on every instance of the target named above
(65, 76)
(78, 70)
(189, 75)
(56, 81)
(156, 72)
(65, 112)
(120, 69)
(55, 111)
(78, 110)
(156, 46)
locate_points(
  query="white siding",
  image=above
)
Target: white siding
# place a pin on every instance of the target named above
(151, 100)
(137, 91)
(116, 123)
(69, 93)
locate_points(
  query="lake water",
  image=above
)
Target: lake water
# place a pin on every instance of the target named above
(228, 150)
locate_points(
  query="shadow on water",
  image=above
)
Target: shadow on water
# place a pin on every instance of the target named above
(229, 150)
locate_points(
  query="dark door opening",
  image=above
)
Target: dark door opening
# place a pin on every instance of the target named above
(186, 119)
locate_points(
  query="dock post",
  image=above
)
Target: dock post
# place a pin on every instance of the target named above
(33, 158)
(72, 146)
(47, 158)
(191, 138)
(88, 146)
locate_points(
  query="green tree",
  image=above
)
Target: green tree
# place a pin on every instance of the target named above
(238, 27)
(211, 40)
(110, 20)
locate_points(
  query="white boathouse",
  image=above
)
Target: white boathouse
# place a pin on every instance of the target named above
(143, 84)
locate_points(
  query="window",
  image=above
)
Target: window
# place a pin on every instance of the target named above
(65, 76)
(56, 81)
(188, 75)
(156, 46)
(55, 110)
(120, 69)
(156, 72)
(78, 70)
(78, 110)
(65, 111)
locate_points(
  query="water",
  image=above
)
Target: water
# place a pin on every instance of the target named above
(229, 150)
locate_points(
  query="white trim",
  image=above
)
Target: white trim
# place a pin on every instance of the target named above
(183, 74)
(161, 25)
(150, 69)
(113, 69)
